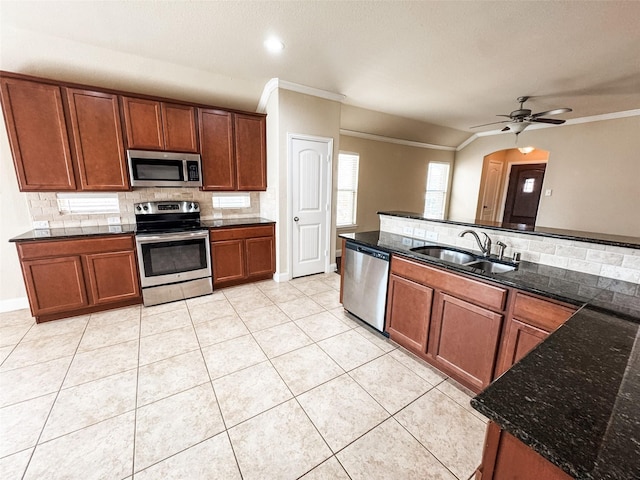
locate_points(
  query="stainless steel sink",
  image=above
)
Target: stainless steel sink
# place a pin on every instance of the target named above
(446, 254)
(491, 267)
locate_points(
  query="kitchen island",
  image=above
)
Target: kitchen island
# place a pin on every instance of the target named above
(574, 399)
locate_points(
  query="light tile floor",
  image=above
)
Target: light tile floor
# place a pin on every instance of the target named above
(262, 381)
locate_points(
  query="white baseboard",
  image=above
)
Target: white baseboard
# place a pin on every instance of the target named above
(14, 304)
(333, 267)
(339, 252)
(281, 277)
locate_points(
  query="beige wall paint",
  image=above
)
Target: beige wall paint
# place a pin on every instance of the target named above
(593, 171)
(305, 115)
(378, 123)
(14, 220)
(390, 177)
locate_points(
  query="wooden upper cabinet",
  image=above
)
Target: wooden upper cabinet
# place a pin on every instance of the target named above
(34, 115)
(250, 150)
(97, 140)
(153, 125)
(143, 122)
(216, 150)
(179, 128)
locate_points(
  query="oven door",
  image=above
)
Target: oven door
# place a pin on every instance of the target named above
(173, 257)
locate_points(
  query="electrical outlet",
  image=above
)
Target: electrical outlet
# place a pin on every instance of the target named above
(407, 242)
(43, 233)
(115, 228)
(433, 236)
(41, 224)
(217, 214)
(408, 231)
(419, 232)
(113, 220)
(418, 243)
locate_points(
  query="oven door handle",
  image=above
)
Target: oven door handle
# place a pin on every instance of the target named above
(170, 238)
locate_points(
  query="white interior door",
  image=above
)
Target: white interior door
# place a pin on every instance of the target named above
(492, 190)
(310, 173)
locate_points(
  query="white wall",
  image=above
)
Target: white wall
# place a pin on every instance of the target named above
(593, 171)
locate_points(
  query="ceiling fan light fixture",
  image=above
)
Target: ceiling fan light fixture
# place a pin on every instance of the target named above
(517, 127)
(525, 150)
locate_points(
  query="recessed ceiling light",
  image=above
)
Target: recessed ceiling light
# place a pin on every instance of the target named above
(273, 45)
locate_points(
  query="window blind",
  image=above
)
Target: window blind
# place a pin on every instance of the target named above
(87, 203)
(347, 189)
(436, 194)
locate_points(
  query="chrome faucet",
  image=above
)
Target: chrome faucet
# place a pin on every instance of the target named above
(485, 247)
(501, 249)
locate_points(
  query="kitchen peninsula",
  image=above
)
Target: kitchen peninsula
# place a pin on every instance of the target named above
(570, 406)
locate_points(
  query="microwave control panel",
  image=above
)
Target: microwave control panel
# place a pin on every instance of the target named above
(193, 171)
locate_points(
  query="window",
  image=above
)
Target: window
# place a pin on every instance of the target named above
(88, 203)
(347, 189)
(436, 196)
(232, 200)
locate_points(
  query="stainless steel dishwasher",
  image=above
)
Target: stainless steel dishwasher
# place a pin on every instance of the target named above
(366, 275)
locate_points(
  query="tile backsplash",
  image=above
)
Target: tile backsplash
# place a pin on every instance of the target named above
(594, 258)
(44, 207)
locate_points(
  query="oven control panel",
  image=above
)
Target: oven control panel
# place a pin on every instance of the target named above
(166, 207)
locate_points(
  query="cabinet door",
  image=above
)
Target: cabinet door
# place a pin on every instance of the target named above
(408, 313)
(260, 256)
(228, 261)
(506, 457)
(250, 149)
(38, 135)
(97, 140)
(143, 123)
(520, 339)
(179, 128)
(54, 284)
(216, 149)
(464, 340)
(112, 277)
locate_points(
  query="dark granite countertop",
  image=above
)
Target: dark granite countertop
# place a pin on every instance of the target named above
(591, 237)
(76, 232)
(617, 296)
(575, 398)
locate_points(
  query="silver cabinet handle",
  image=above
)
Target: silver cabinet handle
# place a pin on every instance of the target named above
(295, 219)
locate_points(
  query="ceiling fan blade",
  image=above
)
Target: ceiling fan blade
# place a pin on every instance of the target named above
(505, 129)
(554, 121)
(492, 123)
(556, 111)
(508, 116)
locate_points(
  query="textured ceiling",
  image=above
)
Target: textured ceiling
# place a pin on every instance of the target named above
(454, 64)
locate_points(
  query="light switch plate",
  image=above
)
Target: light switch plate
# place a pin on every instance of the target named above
(217, 214)
(40, 224)
(433, 236)
(407, 231)
(548, 192)
(419, 232)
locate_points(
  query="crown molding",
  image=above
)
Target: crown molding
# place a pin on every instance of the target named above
(276, 83)
(538, 126)
(397, 141)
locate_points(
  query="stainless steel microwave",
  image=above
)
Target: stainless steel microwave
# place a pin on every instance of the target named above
(164, 169)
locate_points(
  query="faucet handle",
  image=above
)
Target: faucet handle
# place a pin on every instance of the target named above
(502, 246)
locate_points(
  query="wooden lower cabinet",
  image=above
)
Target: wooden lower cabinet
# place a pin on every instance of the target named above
(409, 313)
(507, 458)
(242, 254)
(532, 319)
(55, 285)
(64, 278)
(464, 340)
(228, 261)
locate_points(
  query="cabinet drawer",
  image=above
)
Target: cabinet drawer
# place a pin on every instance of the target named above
(478, 292)
(240, 233)
(55, 248)
(541, 313)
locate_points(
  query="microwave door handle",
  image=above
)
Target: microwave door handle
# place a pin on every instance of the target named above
(169, 238)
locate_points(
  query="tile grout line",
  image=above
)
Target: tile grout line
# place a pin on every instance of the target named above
(44, 425)
(135, 414)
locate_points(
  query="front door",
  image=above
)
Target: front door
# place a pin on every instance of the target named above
(311, 173)
(523, 194)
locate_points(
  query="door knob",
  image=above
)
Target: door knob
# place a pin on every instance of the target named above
(295, 219)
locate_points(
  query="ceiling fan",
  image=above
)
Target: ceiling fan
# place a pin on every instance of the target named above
(522, 118)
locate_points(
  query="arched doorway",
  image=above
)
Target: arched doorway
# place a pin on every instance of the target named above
(510, 186)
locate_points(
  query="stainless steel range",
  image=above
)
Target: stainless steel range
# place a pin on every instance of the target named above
(174, 255)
